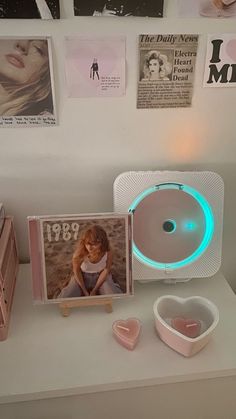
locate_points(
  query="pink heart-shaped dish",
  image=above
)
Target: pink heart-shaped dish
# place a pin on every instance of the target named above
(127, 332)
(171, 313)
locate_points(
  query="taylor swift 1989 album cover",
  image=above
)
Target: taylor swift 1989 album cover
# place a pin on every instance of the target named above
(80, 256)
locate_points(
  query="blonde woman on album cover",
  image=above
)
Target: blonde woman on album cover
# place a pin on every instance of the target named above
(25, 83)
(92, 262)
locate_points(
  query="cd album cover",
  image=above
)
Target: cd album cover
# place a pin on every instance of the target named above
(80, 256)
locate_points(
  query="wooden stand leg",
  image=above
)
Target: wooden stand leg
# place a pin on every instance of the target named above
(65, 311)
(67, 305)
(108, 308)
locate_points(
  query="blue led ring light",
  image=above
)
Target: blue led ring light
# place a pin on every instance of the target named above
(209, 222)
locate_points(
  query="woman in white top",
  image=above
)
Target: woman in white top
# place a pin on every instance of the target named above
(92, 261)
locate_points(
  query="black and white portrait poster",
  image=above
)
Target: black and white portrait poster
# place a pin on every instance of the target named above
(26, 82)
(220, 66)
(207, 8)
(30, 9)
(151, 8)
(95, 66)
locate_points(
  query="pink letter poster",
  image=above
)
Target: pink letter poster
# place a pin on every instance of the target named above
(95, 67)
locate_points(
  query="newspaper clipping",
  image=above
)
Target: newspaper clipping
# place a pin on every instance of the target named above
(166, 70)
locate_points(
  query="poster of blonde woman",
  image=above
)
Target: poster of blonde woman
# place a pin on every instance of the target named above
(26, 82)
(207, 8)
(29, 9)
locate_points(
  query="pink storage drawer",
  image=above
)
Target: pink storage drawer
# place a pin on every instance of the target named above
(8, 270)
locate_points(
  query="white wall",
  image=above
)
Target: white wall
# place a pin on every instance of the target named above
(71, 168)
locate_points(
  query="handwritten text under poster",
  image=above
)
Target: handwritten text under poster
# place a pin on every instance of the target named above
(26, 82)
(166, 70)
(220, 66)
(95, 67)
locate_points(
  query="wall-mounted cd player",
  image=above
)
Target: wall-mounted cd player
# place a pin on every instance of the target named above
(177, 222)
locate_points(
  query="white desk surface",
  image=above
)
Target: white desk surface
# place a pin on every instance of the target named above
(47, 355)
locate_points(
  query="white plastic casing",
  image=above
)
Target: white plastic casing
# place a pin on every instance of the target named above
(129, 185)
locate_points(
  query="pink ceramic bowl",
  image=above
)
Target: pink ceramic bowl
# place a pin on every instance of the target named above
(169, 307)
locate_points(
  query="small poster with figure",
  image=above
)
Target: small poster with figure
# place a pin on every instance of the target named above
(95, 67)
(30, 9)
(82, 256)
(119, 8)
(26, 83)
(220, 65)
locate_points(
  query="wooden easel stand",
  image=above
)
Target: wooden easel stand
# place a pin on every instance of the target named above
(67, 305)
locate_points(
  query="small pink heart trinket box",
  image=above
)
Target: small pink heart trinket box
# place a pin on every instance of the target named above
(127, 332)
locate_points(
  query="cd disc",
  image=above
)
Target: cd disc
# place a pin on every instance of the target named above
(172, 225)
